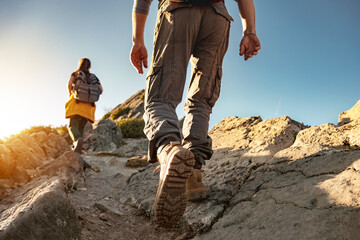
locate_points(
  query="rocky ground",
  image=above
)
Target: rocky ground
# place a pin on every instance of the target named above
(272, 179)
(101, 214)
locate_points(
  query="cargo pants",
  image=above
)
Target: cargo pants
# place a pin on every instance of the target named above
(184, 32)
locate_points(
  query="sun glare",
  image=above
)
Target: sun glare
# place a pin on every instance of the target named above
(9, 128)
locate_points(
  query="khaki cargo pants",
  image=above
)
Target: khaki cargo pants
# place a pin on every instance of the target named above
(183, 32)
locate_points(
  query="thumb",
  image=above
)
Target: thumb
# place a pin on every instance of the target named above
(145, 62)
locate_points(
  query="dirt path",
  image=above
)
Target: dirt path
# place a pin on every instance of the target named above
(101, 215)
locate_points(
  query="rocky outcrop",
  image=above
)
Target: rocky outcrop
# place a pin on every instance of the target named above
(134, 106)
(105, 136)
(34, 172)
(273, 179)
(22, 156)
(350, 115)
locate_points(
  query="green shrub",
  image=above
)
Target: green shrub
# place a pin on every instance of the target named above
(131, 127)
(47, 129)
(106, 116)
(119, 112)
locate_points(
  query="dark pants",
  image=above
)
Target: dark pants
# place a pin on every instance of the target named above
(76, 127)
(199, 34)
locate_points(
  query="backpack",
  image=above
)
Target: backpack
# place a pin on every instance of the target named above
(86, 89)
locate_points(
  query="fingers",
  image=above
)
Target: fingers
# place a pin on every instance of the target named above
(135, 60)
(138, 58)
(249, 46)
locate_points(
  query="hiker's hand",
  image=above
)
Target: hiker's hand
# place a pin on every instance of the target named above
(138, 57)
(249, 46)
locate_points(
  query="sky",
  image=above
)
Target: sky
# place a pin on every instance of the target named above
(308, 67)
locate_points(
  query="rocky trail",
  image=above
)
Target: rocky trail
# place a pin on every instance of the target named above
(271, 179)
(102, 216)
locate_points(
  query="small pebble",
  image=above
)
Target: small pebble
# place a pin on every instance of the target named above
(103, 217)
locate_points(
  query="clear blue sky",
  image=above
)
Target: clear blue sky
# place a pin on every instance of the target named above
(308, 68)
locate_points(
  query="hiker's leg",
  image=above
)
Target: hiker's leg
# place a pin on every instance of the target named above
(175, 34)
(74, 128)
(82, 124)
(210, 48)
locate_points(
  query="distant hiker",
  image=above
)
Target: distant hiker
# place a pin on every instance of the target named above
(185, 29)
(84, 90)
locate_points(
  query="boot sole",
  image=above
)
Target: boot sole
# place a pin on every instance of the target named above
(170, 201)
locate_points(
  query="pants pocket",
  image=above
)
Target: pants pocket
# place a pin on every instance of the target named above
(153, 82)
(221, 9)
(216, 88)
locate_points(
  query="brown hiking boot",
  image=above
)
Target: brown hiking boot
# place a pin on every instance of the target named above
(195, 189)
(170, 202)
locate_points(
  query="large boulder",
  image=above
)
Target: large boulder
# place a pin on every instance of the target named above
(41, 210)
(105, 136)
(35, 170)
(350, 115)
(273, 179)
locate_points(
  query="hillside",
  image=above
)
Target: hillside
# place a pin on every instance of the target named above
(269, 179)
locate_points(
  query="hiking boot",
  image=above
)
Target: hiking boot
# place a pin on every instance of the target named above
(195, 189)
(77, 147)
(176, 164)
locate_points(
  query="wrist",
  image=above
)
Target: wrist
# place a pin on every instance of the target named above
(249, 32)
(138, 40)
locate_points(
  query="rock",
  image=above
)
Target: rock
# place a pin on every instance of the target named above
(103, 217)
(54, 145)
(138, 194)
(7, 162)
(105, 136)
(26, 152)
(303, 199)
(67, 137)
(23, 156)
(137, 161)
(41, 211)
(88, 128)
(134, 147)
(134, 104)
(67, 165)
(326, 137)
(273, 179)
(34, 205)
(350, 115)
(101, 207)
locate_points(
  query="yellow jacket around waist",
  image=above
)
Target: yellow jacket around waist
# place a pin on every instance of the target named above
(82, 109)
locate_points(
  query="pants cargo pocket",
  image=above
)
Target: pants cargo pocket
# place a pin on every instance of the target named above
(153, 82)
(216, 88)
(221, 10)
